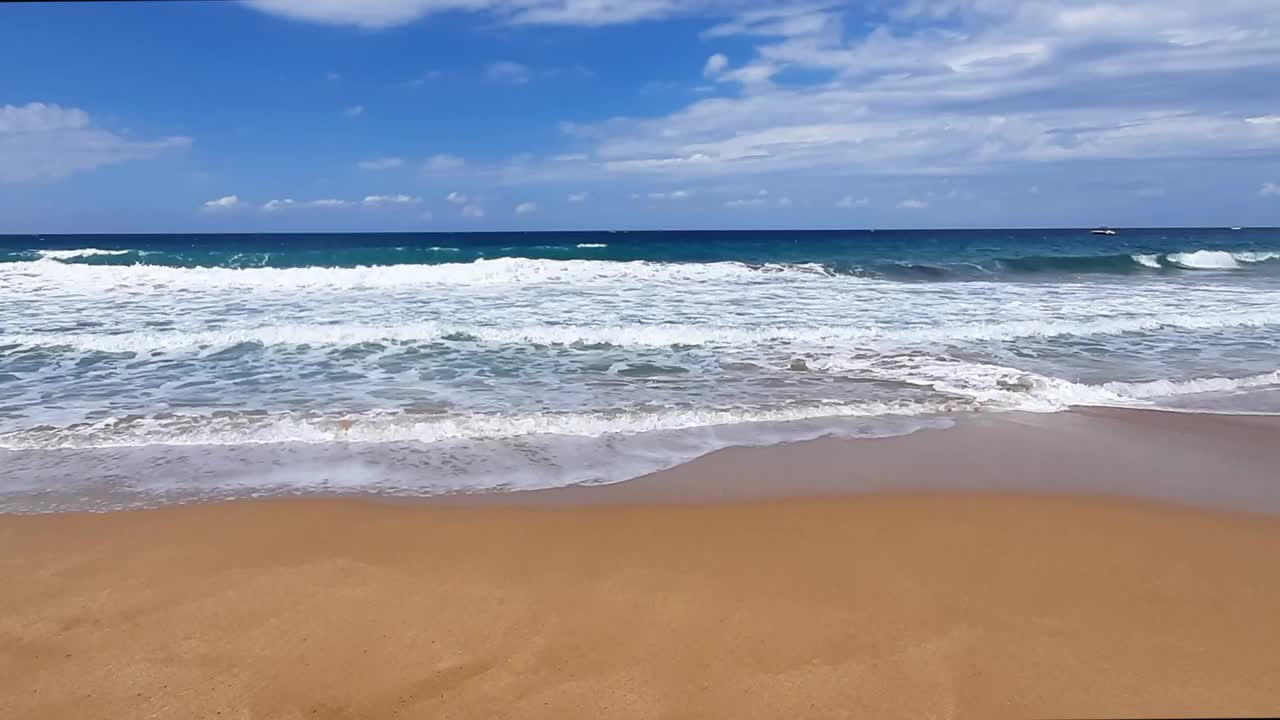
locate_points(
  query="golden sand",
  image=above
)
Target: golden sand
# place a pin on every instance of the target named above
(885, 606)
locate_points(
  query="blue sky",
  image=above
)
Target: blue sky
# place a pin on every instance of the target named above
(299, 115)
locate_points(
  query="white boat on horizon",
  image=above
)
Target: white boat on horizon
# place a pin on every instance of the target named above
(1103, 231)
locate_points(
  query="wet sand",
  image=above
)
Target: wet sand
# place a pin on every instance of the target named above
(879, 589)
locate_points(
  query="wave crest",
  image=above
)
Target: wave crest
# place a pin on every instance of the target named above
(642, 335)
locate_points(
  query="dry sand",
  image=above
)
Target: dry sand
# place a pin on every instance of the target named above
(975, 605)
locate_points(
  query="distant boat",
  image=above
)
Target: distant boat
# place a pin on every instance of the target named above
(1103, 231)
(1237, 228)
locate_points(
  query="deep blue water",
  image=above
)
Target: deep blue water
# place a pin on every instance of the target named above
(896, 254)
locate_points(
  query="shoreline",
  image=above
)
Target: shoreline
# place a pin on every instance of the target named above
(696, 592)
(1144, 453)
(1013, 452)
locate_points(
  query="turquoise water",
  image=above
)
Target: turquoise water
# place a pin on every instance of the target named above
(137, 370)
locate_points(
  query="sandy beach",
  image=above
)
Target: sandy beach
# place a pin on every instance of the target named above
(1029, 575)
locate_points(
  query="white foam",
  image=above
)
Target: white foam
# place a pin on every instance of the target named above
(593, 245)
(401, 427)
(998, 387)
(1151, 261)
(498, 271)
(1256, 257)
(1204, 260)
(1195, 386)
(81, 252)
(632, 336)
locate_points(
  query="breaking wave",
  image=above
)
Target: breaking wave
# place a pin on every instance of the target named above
(622, 336)
(452, 266)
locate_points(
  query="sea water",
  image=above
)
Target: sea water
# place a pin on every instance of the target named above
(140, 370)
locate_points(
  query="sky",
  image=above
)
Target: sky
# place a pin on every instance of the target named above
(485, 115)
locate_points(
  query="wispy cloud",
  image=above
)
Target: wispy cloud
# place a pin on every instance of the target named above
(385, 163)
(526, 208)
(444, 163)
(849, 201)
(715, 65)
(472, 211)
(1270, 189)
(290, 203)
(578, 197)
(375, 201)
(673, 195)
(354, 111)
(457, 198)
(967, 86)
(511, 72)
(378, 14)
(913, 204)
(42, 142)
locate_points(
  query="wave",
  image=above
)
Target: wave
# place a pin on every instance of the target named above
(1204, 260)
(498, 271)
(1195, 386)
(967, 386)
(999, 387)
(77, 253)
(626, 336)
(1126, 263)
(457, 265)
(400, 427)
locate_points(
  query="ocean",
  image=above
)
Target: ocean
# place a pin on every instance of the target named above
(138, 370)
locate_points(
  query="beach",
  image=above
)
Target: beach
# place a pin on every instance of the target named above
(905, 577)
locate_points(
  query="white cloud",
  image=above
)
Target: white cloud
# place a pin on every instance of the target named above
(526, 208)
(715, 65)
(913, 204)
(377, 14)
(1270, 189)
(680, 194)
(426, 215)
(444, 163)
(275, 205)
(849, 201)
(385, 163)
(332, 76)
(224, 203)
(472, 211)
(578, 197)
(42, 142)
(746, 203)
(511, 72)
(784, 202)
(354, 111)
(376, 201)
(457, 198)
